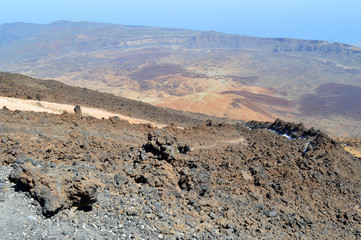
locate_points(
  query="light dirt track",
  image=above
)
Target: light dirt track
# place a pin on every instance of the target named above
(354, 151)
(230, 142)
(57, 108)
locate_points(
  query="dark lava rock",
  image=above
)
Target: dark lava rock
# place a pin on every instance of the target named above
(55, 188)
(164, 146)
(120, 180)
(77, 110)
(291, 129)
(234, 183)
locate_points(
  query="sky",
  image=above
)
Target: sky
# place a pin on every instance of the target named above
(330, 20)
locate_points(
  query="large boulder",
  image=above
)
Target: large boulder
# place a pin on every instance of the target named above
(56, 187)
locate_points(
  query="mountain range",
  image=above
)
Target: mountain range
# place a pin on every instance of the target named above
(218, 74)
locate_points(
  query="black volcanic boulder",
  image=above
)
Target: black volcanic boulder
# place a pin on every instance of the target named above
(293, 130)
(77, 110)
(56, 187)
(164, 146)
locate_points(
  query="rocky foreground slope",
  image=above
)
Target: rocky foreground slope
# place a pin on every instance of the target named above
(85, 178)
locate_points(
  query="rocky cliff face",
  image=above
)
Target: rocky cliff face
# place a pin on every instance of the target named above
(341, 53)
(86, 37)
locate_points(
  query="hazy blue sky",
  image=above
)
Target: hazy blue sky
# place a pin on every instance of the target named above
(332, 20)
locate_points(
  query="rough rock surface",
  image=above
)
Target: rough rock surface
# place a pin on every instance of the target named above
(55, 186)
(279, 126)
(77, 109)
(86, 178)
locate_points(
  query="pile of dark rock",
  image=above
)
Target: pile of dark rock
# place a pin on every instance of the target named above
(106, 179)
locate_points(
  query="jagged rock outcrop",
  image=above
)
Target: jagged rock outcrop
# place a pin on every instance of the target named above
(293, 130)
(55, 186)
(77, 110)
(164, 146)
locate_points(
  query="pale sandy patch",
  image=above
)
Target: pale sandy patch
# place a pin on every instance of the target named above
(240, 140)
(353, 151)
(57, 108)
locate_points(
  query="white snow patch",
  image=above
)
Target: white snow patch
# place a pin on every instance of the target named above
(304, 151)
(285, 135)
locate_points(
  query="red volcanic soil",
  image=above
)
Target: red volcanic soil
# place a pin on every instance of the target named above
(262, 98)
(333, 98)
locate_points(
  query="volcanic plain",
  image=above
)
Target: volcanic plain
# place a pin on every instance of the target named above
(217, 74)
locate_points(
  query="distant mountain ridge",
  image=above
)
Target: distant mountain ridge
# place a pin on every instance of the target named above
(128, 37)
